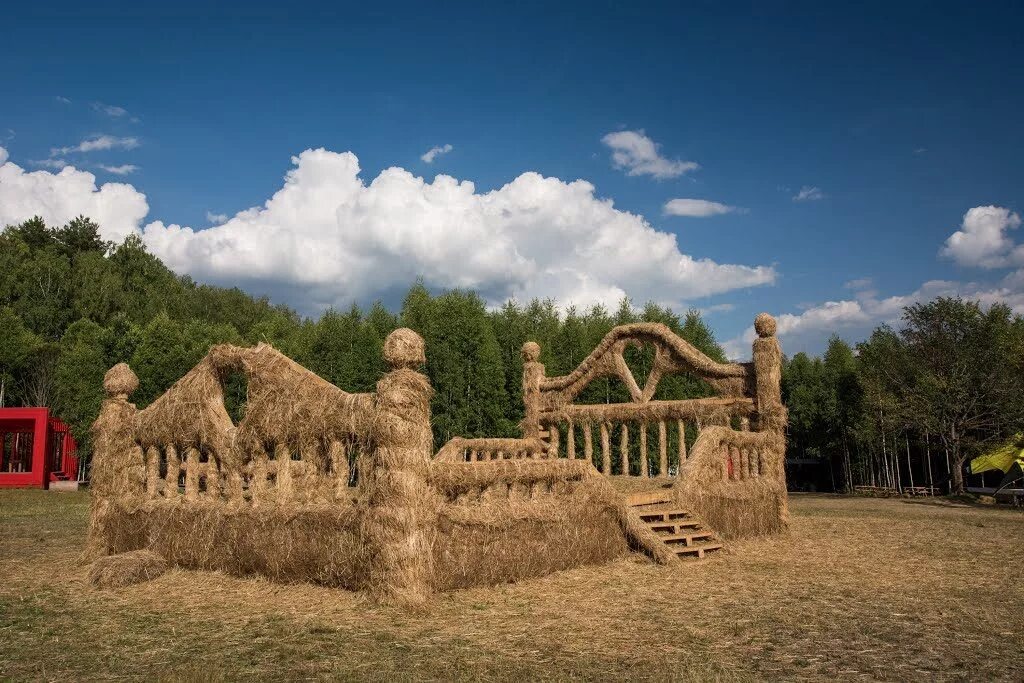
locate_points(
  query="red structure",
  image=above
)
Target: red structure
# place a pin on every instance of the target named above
(35, 449)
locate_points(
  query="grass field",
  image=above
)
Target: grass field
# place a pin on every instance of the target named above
(866, 588)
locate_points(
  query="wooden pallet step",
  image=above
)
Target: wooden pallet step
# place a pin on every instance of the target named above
(674, 539)
(650, 498)
(697, 551)
(675, 525)
(662, 515)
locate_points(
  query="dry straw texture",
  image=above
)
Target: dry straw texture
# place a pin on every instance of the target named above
(402, 509)
(673, 354)
(116, 571)
(116, 470)
(508, 540)
(745, 506)
(317, 543)
(863, 588)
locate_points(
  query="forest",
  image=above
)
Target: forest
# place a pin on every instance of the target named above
(905, 407)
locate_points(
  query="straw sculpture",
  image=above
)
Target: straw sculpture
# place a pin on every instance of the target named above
(316, 484)
(732, 478)
(116, 474)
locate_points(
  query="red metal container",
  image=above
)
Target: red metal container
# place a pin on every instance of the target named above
(35, 449)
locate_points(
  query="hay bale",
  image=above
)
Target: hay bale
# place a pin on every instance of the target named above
(505, 540)
(314, 543)
(115, 571)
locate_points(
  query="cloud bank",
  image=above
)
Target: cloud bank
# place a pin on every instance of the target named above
(59, 197)
(326, 238)
(342, 240)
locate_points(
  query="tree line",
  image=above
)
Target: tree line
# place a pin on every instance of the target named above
(892, 409)
(909, 406)
(72, 305)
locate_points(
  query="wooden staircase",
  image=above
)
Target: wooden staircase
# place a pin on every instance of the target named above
(681, 531)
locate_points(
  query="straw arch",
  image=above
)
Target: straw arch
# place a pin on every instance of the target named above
(672, 354)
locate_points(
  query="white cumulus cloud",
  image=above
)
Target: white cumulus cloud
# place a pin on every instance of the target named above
(697, 208)
(59, 197)
(811, 328)
(637, 154)
(983, 240)
(326, 238)
(434, 152)
(216, 218)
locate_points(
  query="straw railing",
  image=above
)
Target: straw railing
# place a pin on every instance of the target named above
(729, 455)
(650, 442)
(645, 437)
(298, 440)
(459, 449)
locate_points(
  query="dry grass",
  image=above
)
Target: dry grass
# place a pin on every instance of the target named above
(867, 588)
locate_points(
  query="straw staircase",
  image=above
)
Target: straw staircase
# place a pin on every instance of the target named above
(681, 531)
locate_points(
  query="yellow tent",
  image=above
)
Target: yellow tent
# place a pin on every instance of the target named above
(1002, 458)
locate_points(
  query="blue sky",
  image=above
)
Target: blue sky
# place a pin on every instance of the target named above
(894, 122)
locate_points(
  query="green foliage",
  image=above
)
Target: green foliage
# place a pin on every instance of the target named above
(80, 236)
(162, 353)
(16, 347)
(464, 364)
(34, 233)
(344, 350)
(83, 359)
(948, 379)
